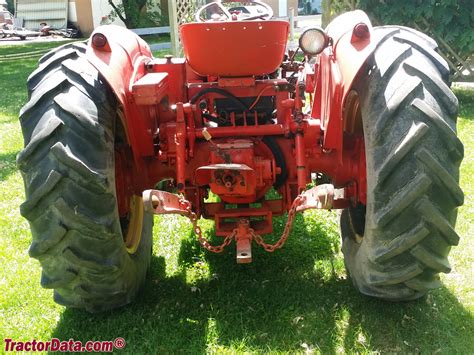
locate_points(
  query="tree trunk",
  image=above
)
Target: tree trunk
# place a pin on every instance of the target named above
(130, 12)
(326, 13)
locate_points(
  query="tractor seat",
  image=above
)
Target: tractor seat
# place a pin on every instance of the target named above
(234, 49)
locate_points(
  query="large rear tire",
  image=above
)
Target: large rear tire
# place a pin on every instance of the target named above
(70, 127)
(413, 157)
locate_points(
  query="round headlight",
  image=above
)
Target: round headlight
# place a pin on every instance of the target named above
(313, 40)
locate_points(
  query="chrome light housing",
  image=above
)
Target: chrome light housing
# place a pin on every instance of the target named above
(313, 40)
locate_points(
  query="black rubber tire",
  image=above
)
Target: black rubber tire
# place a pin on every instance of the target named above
(413, 157)
(68, 169)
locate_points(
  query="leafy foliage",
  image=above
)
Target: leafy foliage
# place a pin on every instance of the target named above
(137, 13)
(10, 6)
(451, 20)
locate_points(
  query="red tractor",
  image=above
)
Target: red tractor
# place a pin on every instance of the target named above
(114, 136)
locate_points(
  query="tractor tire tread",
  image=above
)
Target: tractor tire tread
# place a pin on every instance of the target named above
(413, 157)
(79, 46)
(67, 166)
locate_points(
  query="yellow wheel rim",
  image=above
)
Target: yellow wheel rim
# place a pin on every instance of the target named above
(134, 230)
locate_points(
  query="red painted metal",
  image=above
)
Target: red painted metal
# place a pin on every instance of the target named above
(226, 219)
(160, 202)
(123, 183)
(184, 119)
(249, 131)
(301, 172)
(121, 66)
(243, 239)
(351, 55)
(246, 81)
(342, 61)
(151, 89)
(180, 142)
(233, 49)
(229, 180)
(176, 70)
(248, 177)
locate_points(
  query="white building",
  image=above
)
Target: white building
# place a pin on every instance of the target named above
(89, 14)
(85, 14)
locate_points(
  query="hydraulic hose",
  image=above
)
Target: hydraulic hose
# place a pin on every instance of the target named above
(220, 92)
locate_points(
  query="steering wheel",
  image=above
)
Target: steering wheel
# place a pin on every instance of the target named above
(266, 14)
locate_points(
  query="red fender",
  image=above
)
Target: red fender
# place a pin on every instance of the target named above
(339, 65)
(121, 61)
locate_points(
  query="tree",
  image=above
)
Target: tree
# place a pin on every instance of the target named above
(136, 13)
(10, 6)
(446, 20)
(130, 11)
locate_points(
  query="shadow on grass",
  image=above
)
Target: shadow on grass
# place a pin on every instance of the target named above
(466, 102)
(285, 301)
(7, 165)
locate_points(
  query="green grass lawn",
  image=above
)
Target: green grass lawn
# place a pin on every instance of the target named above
(297, 299)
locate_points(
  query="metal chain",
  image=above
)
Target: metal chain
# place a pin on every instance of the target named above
(286, 232)
(258, 239)
(197, 230)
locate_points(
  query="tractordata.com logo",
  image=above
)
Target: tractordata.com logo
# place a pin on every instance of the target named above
(70, 345)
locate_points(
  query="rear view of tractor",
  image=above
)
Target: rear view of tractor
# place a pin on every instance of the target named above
(114, 136)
